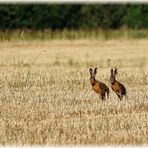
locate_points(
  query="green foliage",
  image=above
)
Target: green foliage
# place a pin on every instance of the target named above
(63, 16)
(137, 16)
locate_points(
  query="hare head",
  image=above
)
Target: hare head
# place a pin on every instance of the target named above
(113, 75)
(92, 75)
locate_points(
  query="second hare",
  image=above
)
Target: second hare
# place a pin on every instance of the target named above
(116, 86)
(98, 86)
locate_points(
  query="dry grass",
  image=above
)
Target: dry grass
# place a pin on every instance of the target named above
(46, 96)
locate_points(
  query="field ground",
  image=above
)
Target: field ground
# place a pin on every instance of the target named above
(46, 96)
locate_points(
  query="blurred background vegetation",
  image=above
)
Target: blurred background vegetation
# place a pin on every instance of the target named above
(73, 21)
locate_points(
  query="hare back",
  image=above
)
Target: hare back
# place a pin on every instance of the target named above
(116, 86)
(123, 89)
(97, 88)
(100, 87)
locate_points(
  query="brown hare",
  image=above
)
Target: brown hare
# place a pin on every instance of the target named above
(116, 86)
(98, 86)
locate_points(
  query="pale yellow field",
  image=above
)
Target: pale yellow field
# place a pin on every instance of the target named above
(46, 96)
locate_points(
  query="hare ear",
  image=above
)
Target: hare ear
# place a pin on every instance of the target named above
(91, 71)
(95, 71)
(115, 71)
(112, 72)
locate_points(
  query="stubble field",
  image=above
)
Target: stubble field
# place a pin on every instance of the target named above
(46, 96)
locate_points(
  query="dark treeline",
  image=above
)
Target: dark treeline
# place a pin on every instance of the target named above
(70, 16)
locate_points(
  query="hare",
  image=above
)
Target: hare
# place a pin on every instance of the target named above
(116, 86)
(98, 86)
